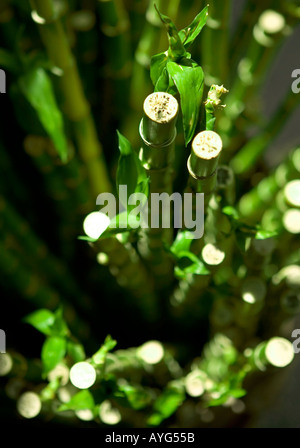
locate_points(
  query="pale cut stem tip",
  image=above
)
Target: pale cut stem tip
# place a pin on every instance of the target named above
(207, 145)
(161, 107)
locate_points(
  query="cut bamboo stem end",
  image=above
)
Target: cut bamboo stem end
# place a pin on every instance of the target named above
(159, 121)
(206, 150)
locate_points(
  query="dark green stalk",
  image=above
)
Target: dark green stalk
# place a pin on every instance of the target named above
(115, 26)
(75, 105)
(158, 133)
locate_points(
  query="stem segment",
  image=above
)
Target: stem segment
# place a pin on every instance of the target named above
(75, 104)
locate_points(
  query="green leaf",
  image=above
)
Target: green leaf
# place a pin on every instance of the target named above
(231, 212)
(81, 401)
(189, 81)
(37, 88)
(182, 243)
(189, 263)
(191, 32)
(176, 49)
(265, 234)
(59, 327)
(53, 351)
(168, 403)
(100, 356)
(42, 320)
(136, 397)
(158, 64)
(76, 351)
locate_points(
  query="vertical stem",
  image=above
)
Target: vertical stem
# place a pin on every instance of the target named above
(158, 132)
(126, 266)
(215, 50)
(75, 104)
(246, 158)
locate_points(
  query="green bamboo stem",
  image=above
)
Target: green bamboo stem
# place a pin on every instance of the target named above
(75, 105)
(253, 68)
(65, 183)
(202, 167)
(254, 203)
(215, 42)
(158, 133)
(115, 26)
(276, 351)
(126, 266)
(249, 154)
(243, 33)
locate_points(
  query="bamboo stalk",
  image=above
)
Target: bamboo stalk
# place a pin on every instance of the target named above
(269, 33)
(75, 105)
(253, 204)
(249, 154)
(115, 26)
(242, 35)
(202, 167)
(215, 43)
(125, 265)
(158, 133)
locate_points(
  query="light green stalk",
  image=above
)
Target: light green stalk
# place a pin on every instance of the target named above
(247, 157)
(253, 68)
(75, 105)
(243, 33)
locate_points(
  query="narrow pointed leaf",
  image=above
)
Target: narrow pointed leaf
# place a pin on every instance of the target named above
(176, 48)
(191, 32)
(37, 88)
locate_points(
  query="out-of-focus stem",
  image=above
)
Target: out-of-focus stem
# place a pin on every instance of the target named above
(75, 105)
(254, 203)
(215, 39)
(247, 157)
(126, 266)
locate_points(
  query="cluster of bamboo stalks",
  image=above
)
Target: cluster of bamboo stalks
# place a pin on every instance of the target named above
(232, 295)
